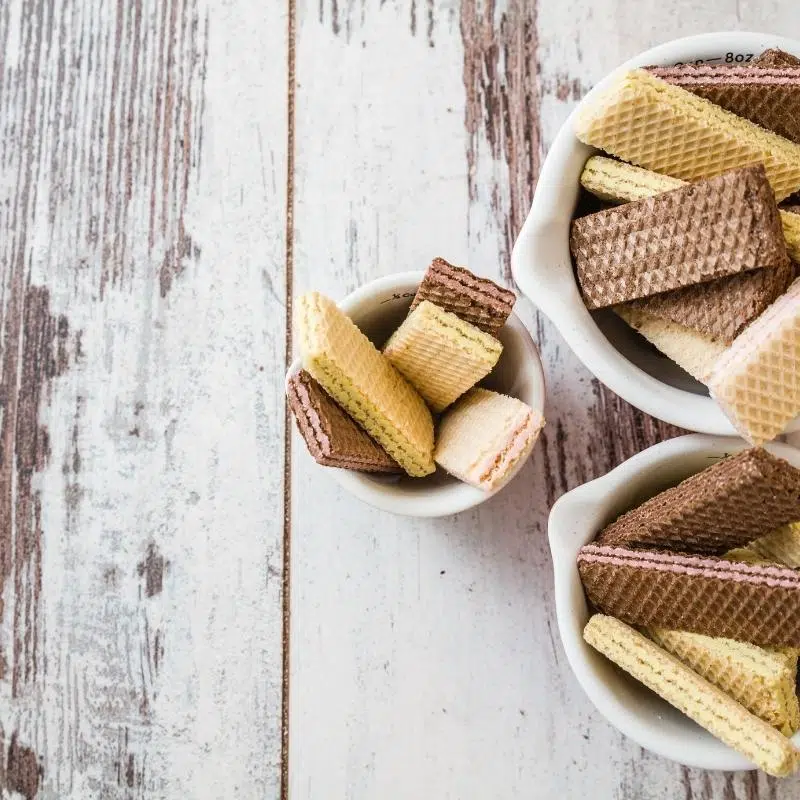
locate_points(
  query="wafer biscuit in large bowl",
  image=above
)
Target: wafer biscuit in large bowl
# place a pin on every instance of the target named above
(378, 309)
(612, 349)
(575, 521)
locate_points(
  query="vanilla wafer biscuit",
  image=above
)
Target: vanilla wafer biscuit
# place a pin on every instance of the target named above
(332, 437)
(618, 182)
(682, 687)
(769, 96)
(761, 679)
(441, 355)
(722, 226)
(689, 349)
(483, 437)
(781, 546)
(748, 602)
(479, 301)
(363, 382)
(726, 505)
(757, 380)
(645, 120)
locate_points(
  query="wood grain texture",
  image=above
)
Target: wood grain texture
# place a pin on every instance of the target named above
(425, 655)
(143, 174)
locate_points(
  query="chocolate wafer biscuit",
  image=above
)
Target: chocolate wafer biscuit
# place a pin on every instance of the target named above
(726, 505)
(645, 120)
(692, 694)
(332, 437)
(479, 301)
(703, 594)
(617, 182)
(757, 380)
(721, 226)
(723, 308)
(767, 96)
(775, 57)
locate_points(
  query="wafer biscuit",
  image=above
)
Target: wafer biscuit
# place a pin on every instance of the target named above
(692, 694)
(441, 355)
(332, 437)
(761, 679)
(703, 594)
(721, 226)
(781, 546)
(653, 124)
(618, 182)
(775, 57)
(690, 350)
(484, 436)
(347, 365)
(757, 380)
(479, 301)
(726, 505)
(769, 96)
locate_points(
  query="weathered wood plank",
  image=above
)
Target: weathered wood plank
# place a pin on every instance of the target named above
(142, 179)
(425, 657)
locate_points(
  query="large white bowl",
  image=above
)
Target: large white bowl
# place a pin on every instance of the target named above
(575, 520)
(378, 308)
(542, 267)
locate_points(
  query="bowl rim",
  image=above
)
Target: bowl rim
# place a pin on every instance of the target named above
(452, 497)
(571, 614)
(563, 304)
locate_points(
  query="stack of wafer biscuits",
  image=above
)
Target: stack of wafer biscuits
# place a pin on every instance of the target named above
(698, 594)
(360, 408)
(696, 255)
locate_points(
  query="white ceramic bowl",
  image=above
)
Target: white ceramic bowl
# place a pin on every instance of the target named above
(542, 267)
(378, 309)
(575, 520)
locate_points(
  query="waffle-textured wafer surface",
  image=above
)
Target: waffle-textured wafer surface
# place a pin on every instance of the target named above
(723, 308)
(781, 546)
(479, 301)
(689, 349)
(692, 694)
(721, 226)
(332, 437)
(775, 57)
(757, 380)
(484, 436)
(645, 120)
(704, 594)
(767, 96)
(726, 505)
(363, 382)
(618, 182)
(440, 354)
(761, 679)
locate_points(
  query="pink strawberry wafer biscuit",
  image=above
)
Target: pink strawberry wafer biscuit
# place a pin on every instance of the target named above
(757, 380)
(748, 602)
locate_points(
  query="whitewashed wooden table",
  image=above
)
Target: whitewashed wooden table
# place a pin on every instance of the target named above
(189, 608)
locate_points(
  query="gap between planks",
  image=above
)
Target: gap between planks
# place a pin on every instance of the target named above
(287, 440)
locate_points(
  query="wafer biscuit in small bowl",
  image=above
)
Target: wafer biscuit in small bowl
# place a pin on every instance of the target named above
(655, 239)
(382, 374)
(681, 630)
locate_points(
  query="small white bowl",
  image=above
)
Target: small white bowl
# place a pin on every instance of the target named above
(575, 520)
(542, 266)
(378, 308)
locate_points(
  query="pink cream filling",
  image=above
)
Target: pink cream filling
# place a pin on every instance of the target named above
(690, 565)
(493, 467)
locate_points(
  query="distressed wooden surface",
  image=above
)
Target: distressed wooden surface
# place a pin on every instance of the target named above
(154, 156)
(143, 176)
